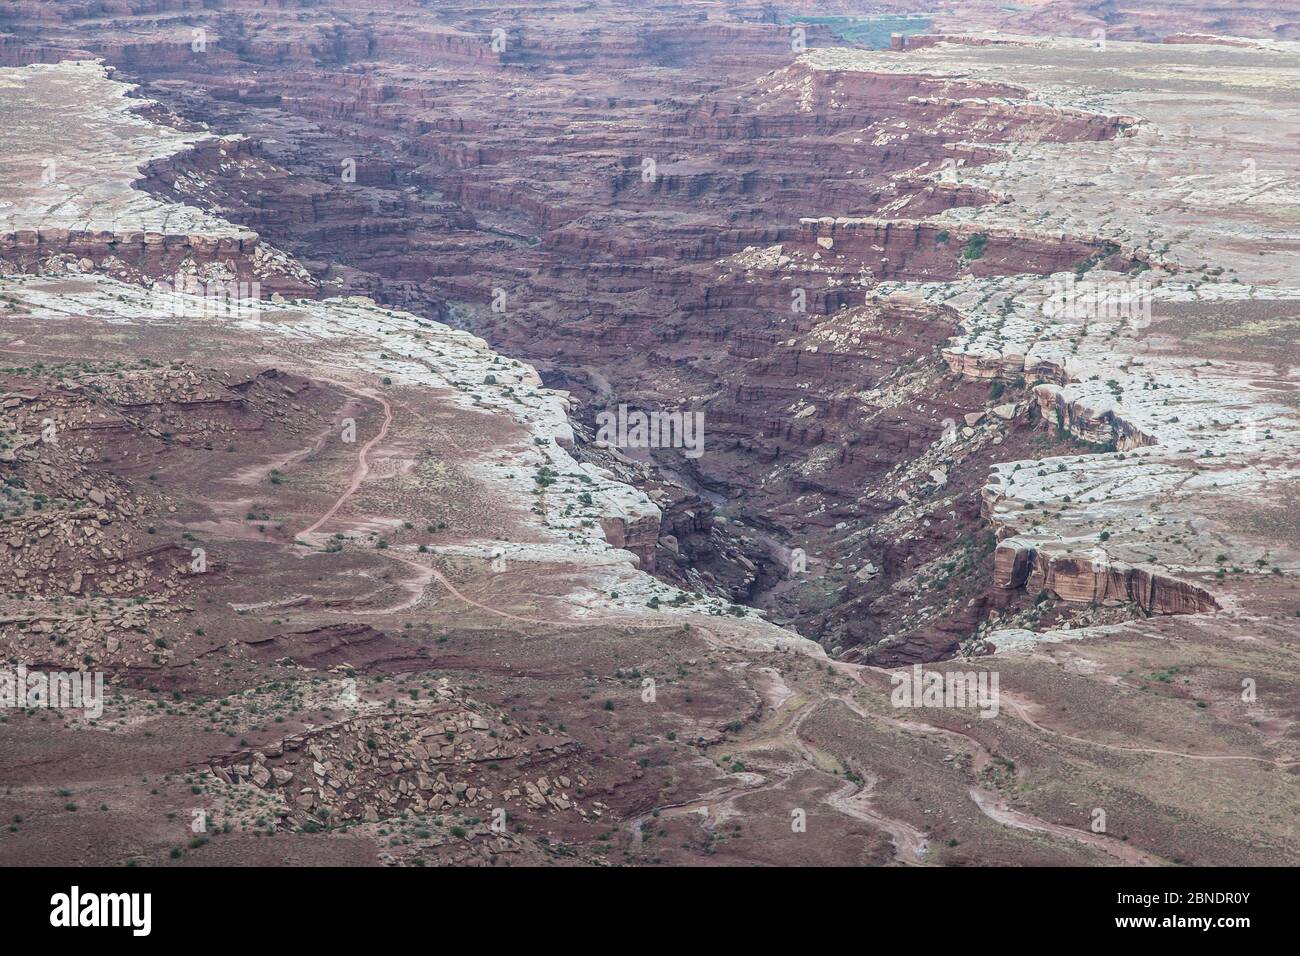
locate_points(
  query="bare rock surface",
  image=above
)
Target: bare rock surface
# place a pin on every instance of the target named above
(307, 316)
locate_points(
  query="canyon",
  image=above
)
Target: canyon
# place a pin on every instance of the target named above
(991, 334)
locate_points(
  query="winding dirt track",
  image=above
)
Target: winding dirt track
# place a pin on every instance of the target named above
(909, 842)
(1019, 710)
(851, 799)
(996, 809)
(363, 465)
(855, 671)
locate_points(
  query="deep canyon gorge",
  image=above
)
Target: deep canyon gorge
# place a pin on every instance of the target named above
(864, 265)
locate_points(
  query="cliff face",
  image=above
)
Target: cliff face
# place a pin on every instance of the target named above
(326, 513)
(81, 146)
(1096, 425)
(1119, 19)
(666, 250)
(905, 249)
(154, 253)
(1125, 364)
(1094, 581)
(711, 220)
